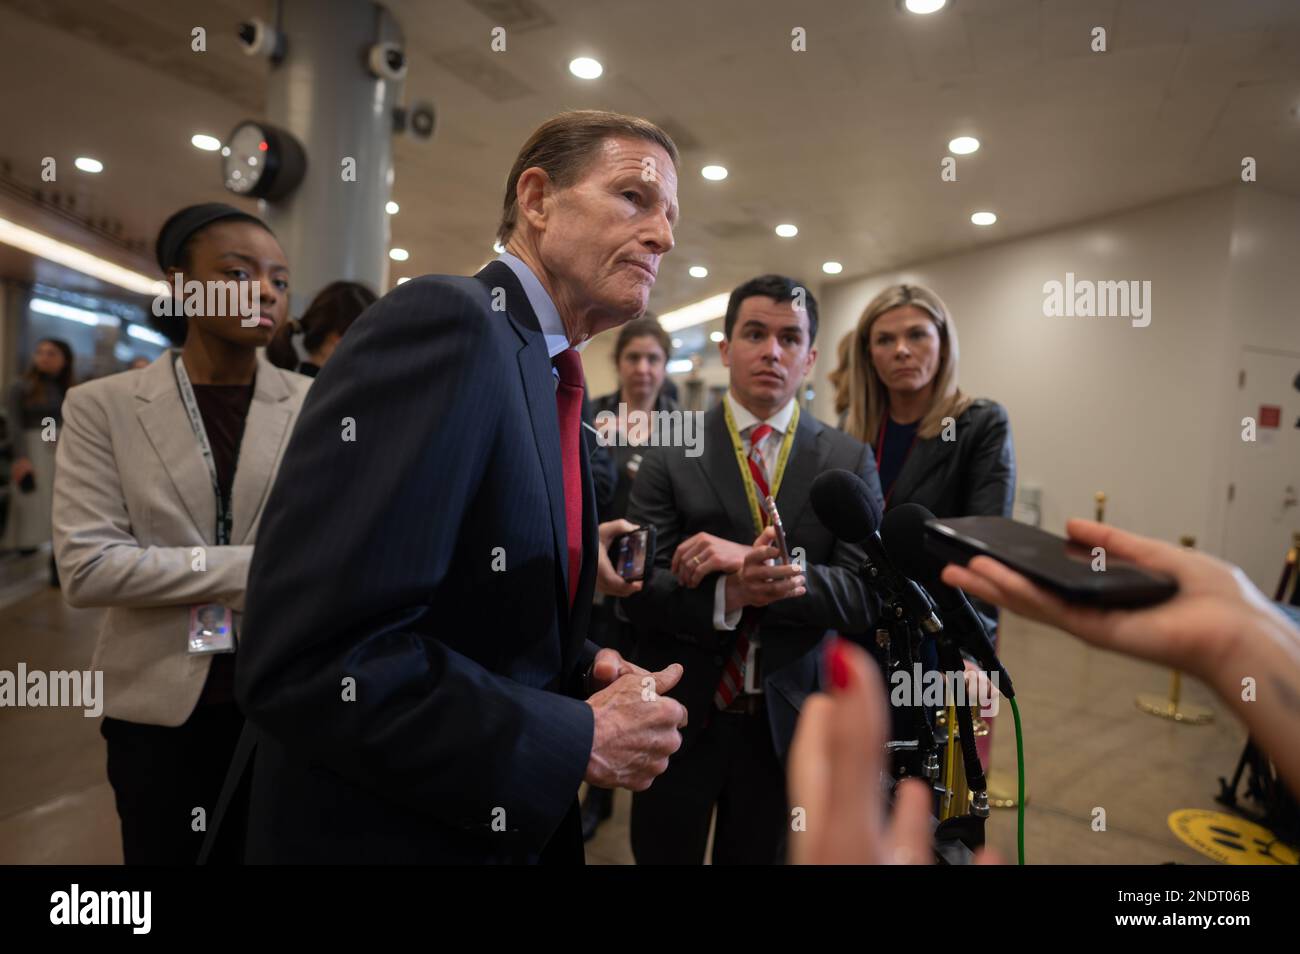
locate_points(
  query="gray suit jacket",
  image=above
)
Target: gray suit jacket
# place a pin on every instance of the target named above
(135, 522)
(682, 496)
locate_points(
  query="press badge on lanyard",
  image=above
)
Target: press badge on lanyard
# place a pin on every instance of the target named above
(211, 625)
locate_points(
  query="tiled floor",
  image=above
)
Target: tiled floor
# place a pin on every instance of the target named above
(1086, 746)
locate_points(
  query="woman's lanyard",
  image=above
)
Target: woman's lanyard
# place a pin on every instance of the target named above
(224, 517)
(751, 491)
(880, 447)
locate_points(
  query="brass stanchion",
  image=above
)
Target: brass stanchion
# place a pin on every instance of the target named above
(1290, 572)
(1173, 707)
(1100, 497)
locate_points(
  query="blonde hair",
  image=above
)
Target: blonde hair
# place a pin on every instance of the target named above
(868, 397)
(839, 378)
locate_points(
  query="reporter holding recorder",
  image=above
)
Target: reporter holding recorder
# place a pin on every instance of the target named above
(747, 631)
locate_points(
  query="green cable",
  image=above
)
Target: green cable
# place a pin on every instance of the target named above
(1020, 771)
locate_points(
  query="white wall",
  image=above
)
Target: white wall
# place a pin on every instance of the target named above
(1262, 315)
(1095, 403)
(598, 364)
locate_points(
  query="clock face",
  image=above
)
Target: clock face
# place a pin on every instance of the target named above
(244, 158)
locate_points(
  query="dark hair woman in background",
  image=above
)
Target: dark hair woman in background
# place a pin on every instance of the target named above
(641, 355)
(162, 474)
(35, 403)
(935, 446)
(325, 321)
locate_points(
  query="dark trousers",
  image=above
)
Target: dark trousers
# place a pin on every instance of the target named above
(160, 775)
(732, 765)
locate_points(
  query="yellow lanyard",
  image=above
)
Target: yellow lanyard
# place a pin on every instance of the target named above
(751, 490)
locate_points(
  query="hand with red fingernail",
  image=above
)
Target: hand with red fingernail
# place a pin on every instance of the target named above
(834, 784)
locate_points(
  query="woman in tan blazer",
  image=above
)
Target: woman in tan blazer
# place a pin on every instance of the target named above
(160, 481)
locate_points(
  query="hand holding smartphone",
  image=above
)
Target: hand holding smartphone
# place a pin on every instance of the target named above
(1075, 573)
(632, 554)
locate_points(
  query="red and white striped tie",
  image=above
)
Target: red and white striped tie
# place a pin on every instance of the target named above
(732, 682)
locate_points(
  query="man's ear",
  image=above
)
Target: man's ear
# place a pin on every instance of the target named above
(722, 350)
(812, 359)
(530, 196)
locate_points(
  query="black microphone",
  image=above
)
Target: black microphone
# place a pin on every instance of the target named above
(845, 506)
(903, 529)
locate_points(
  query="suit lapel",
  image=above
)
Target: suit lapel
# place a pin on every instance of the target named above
(723, 473)
(162, 415)
(264, 432)
(590, 541)
(539, 390)
(806, 461)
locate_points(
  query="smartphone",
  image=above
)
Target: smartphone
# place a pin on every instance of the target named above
(632, 554)
(1059, 565)
(779, 541)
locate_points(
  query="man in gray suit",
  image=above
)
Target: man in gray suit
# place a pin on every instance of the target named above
(747, 632)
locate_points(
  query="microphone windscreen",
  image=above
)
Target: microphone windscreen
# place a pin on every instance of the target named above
(903, 532)
(844, 505)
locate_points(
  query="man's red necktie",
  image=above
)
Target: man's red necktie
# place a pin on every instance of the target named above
(568, 405)
(732, 682)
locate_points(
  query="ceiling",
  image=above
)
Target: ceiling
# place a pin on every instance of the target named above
(843, 140)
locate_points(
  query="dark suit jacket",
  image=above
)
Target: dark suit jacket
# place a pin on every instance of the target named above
(423, 564)
(603, 473)
(682, 496)
(971, 476)
(621, 456)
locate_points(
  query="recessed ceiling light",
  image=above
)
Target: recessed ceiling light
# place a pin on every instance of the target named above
(699, 271)
(205, 142)
(584, 67)
(696, 313)
(677, 342)
(983, 218)
(924, 6)
(86, 164)
(716, 336)
(716, 173)
(398, 254)
(785, 230)
(832, 268)
(963, 145)
(391, 208)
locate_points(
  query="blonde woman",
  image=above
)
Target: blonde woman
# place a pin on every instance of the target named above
(935, 446)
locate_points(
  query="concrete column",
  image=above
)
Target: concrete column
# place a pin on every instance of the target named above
(325, 94)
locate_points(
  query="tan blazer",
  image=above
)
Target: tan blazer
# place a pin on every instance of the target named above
(135, 522)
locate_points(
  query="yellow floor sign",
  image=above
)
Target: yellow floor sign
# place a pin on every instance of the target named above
(1229, 839)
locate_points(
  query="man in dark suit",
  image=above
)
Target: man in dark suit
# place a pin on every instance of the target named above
(747, 632)
(414, 656)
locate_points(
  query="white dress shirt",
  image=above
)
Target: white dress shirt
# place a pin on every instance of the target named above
(770, 448)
